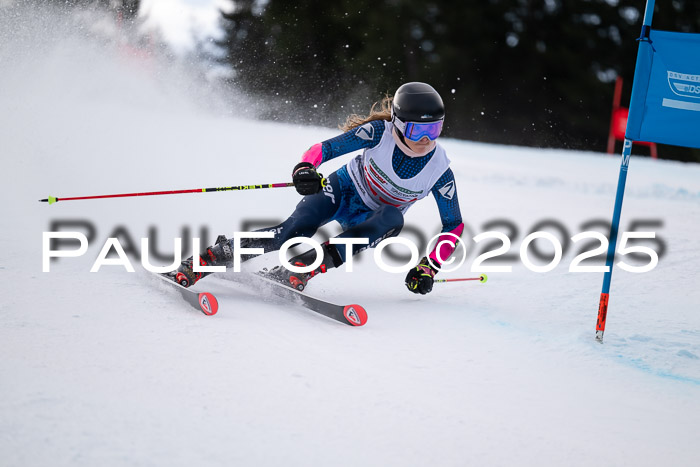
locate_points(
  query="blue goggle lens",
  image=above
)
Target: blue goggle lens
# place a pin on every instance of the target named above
(415, 131)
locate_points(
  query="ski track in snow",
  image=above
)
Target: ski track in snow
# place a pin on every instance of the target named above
(111, 368)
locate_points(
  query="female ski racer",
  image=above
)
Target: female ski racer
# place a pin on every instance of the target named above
(401, 163)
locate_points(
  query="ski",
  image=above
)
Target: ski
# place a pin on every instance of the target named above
(352, 315)
(202, 301)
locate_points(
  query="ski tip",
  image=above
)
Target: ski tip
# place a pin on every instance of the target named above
(483, 278)
(355, 315)
(208, 303)
(50, 200)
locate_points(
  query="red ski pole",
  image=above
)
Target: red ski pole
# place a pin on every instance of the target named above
(482, 278)
(53, 199)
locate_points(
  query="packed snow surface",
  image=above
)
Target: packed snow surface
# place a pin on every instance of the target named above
(111, 368)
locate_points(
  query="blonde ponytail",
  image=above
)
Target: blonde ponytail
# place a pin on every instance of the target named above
(380, 111)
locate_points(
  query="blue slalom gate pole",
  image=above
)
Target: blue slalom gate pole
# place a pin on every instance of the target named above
(610, 258)
(622, 180)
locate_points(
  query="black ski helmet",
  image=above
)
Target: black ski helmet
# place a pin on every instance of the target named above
(417, 102)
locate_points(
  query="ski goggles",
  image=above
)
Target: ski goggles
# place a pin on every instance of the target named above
(415, 131)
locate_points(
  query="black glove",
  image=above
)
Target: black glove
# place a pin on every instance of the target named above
(306, 180)
(420, 279)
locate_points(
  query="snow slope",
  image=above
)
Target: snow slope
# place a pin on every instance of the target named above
(109, 368)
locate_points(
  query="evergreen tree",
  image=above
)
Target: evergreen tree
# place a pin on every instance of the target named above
(527, 72)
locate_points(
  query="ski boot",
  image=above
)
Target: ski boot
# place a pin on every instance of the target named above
(298, 281)
(219, 254)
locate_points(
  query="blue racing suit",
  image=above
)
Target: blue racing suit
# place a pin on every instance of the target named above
(339, 200)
